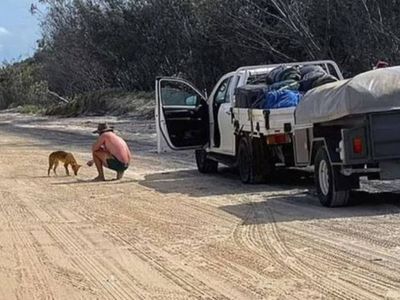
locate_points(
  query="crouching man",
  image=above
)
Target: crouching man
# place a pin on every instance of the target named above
(110, 151)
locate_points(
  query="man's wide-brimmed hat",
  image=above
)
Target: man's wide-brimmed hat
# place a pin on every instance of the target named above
(103, 127)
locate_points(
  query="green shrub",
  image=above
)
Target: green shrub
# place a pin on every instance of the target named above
(20, 84)
(30, 109)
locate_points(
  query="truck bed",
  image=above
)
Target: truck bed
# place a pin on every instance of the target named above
(265, 121)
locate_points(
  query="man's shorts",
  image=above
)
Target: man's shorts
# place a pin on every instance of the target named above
(116, 165)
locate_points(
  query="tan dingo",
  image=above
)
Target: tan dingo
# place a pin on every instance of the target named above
(64, 157)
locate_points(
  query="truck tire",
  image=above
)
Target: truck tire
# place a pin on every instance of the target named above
(251, 162)
(326, 177)
(204, 164)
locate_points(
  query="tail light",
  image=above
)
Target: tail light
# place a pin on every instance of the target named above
(277, 139)
(358, 146)
(355, 145)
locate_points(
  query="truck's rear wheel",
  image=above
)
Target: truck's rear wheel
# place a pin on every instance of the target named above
(326, 178)
(204, 164)
(252, 163)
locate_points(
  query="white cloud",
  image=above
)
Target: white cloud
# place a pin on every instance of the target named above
(4, 31)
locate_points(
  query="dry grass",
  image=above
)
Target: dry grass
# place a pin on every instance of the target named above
(111, 102)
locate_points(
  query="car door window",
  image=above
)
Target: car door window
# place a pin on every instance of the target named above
(175, 93)
(222, 95)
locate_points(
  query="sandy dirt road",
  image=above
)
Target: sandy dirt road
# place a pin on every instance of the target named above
(167, 232)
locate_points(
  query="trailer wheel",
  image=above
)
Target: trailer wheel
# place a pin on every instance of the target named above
(326, 177)
(250, 163)
(204, 164)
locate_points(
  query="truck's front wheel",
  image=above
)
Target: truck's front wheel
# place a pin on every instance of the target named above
(204, 164)
(326, 178)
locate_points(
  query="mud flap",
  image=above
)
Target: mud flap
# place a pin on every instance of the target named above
(344, 183)
(262, 160)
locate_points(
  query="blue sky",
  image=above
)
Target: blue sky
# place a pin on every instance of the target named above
(19, 30)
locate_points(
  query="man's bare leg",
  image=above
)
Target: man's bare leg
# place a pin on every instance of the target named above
(100, 159)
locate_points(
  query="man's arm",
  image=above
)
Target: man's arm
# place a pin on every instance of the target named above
(98, 145)
(129, 152)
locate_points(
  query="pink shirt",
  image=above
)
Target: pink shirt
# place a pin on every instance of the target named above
(115, 145)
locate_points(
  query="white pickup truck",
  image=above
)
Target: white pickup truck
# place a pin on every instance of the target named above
(341, 148)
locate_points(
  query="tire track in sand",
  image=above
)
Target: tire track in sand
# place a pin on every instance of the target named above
(263, 239)
(29, 262)
(160, 261)
(243, 236)
(225, 271)
(156, 258)
(369, 274)
(68, 239)
(328, 240)
(96, 268)
(322, 279)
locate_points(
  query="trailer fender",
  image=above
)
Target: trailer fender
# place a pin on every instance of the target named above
(330, 145)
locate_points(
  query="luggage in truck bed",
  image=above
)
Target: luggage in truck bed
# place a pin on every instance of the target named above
(250, 95)
(252, 117)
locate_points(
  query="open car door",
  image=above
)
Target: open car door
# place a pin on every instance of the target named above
(183, 115)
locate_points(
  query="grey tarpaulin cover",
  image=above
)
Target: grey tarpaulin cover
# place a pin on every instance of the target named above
(373, 91)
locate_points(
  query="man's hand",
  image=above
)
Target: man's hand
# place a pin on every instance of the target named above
(90, 163)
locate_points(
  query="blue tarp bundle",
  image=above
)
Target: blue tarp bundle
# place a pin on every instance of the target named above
(281, 99)
(286, 85)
